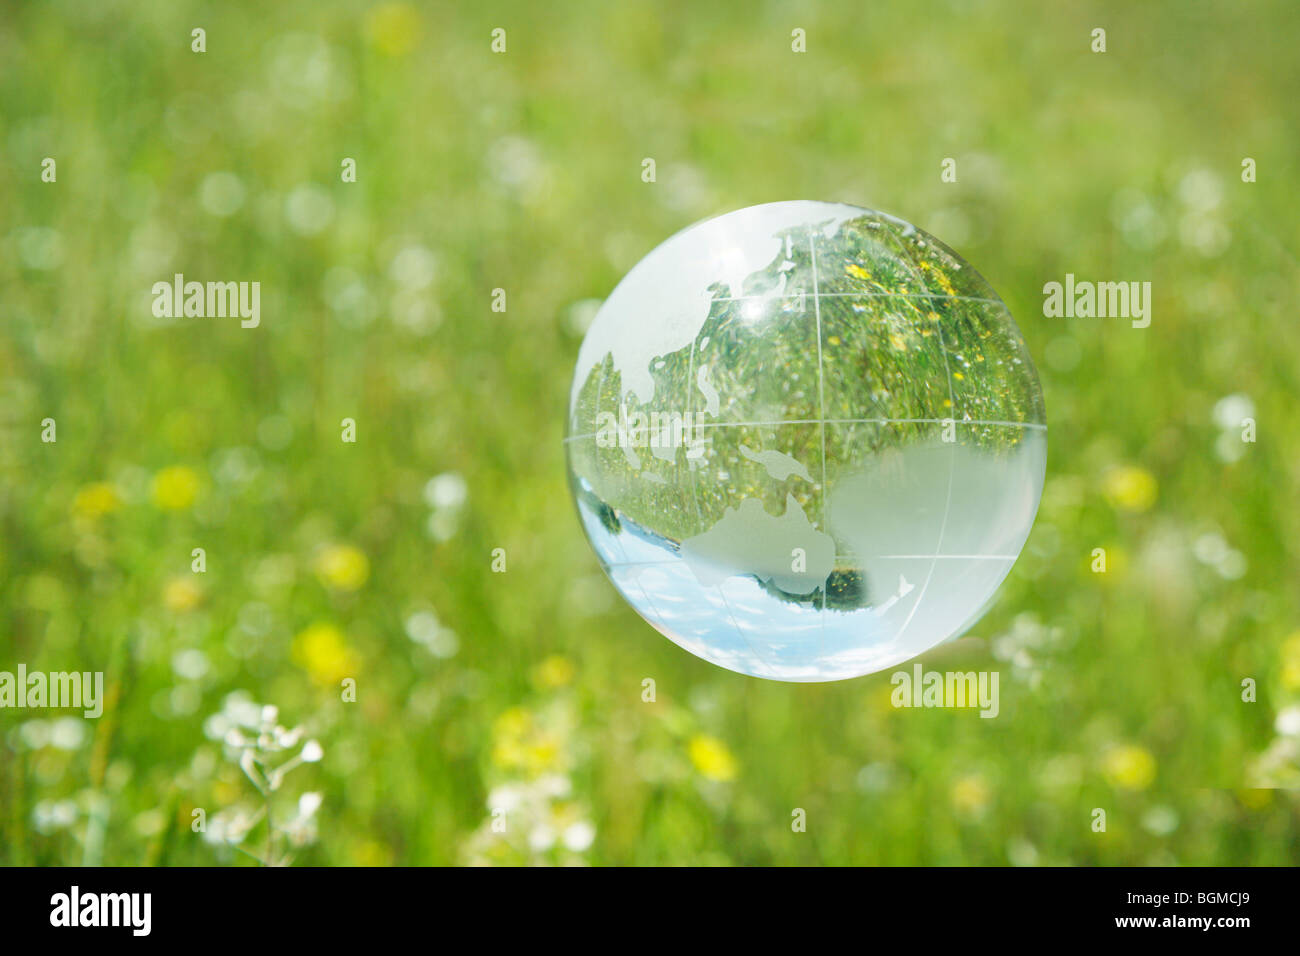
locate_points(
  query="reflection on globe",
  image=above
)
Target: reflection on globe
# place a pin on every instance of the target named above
(806, 441)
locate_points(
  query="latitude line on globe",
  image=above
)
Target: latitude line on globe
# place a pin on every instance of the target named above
(848, 421)
(940, 557)
(864, 295)
(854, 557)
(690, 411)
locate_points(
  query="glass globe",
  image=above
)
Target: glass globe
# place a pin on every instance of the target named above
(806, 441)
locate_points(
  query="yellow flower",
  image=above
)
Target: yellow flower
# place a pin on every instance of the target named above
(553, 672)
(1291, 662)
(181, 594)
(712, 758)
(1130, 767)
(542, 753)
(970, 794)
(513, 722)
(394, 28)
(1129, 488)
(96, 499)
(342, 567)
(321, 649)
(508, 734)
(857, 271)
(520, 742)
(175, 488)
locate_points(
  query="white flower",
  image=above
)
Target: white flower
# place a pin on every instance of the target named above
(1160, 820)
(287, 739)
(423, 627)
(447, 490)
(554, 785)
(308, 804)
(231, 825)
(191, 664)
(301, 830)
(579, 836)
(1288, 722)
(1231, 410)
(308, 209)
(507, 798)
(414, 266)
(35, 733)
(541, 838)
(68, 733)
(51, 815)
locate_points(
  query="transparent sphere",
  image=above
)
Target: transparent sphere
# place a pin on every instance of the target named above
(806, 441)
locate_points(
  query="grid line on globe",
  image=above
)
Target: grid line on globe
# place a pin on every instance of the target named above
(761, 578)
(938, 548)
(821, 406)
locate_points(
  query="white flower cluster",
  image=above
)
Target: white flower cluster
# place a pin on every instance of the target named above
(532, 823)
(266, 751)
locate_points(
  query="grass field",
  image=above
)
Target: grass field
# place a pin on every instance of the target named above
(364, 568)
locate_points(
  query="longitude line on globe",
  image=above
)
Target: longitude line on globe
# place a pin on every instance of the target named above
(690, 414)
(853, 421)
(695, 495)
(952, 466)
(821, 413)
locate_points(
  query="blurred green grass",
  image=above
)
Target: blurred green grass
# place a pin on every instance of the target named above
(522, 171)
